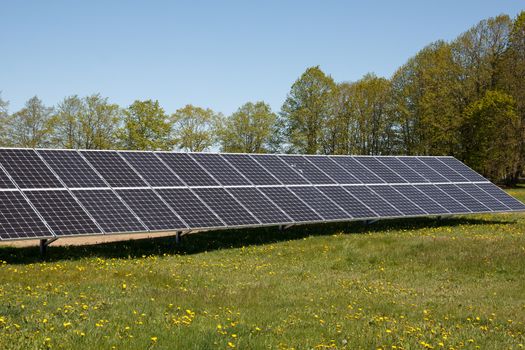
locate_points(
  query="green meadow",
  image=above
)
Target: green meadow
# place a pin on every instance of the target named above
(456, 283)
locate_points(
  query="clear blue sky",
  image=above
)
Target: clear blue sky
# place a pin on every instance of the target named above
(217, 54)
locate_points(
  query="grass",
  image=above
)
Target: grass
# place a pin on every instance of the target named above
(404, 284)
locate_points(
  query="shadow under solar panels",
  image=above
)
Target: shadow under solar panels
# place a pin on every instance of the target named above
(18, 219)
(62, 213)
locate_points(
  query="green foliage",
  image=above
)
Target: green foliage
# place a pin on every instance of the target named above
(146, 127)
(194, 128)
(307, 110)
(491, 130)
(248, 130)
(31, 126)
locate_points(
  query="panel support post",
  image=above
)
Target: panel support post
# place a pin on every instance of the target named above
(369, 222)
(43, 245)
(177, 237)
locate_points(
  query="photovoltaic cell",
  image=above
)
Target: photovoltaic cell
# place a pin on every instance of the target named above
(259, 205)
(290, 204)
(280, 169)
(18, 219)
(151, 169)
(335, 171)
(401, 203)
(187, 169)
(443, 199)
(108, 211)
(372, 200)
(422, 200)
(5, 183)
(357, 169)
(442, 169)
(62, 212)
(190, 208)
(348, 202)
(307, 169)
(251, 169)
(151, 209)
(72, 169)
(220, 169)
(27, 169)
(463, 197)
(225, 206)
(483, 197)
(462, 169)
(402, 169)
(320, 203)
(500, 195)
(113, 169)
(378, 168)
(422, 169)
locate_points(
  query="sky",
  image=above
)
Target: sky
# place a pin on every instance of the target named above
(214, 54)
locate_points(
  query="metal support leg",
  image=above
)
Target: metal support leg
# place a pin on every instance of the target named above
(369, 222)
(43, 245)
(177, 238)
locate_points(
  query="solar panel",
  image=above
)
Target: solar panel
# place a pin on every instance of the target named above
(307, 169)
(151, 210)
(18, 219)
(255, 201)
(190, 208)
(372, 200)
(62, 213)
(290, 204)
(223, 172)
(357, 170)
(151, 168)
(113, 169)
(485, 198)
(335, 171)
(462, 169)
(72, 169)
(463, 197)
(379, 169)
(402, 169)
(56, 193)
(425, 202)
(279, 169)
(422, 169)
(251, 169)
(320, 203)
(402, 203)
(442, 169)
(187, 169)
(108, 211)
(443, 199)
(27, 169)
(501, 196)
(348, 202)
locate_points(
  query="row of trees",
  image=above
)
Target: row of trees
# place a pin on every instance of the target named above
(464, 98)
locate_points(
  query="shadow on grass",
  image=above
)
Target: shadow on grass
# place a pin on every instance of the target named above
(223, 239)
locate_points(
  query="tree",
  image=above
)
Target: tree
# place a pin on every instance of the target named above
(3, 119)
(146, 127)
(67, 131)
(193, 128)
(248, 130)
(307, 110)
(31, 126)
(99, 123)
(491, 135)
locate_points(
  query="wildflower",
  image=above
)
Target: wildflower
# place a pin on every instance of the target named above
(154, 339)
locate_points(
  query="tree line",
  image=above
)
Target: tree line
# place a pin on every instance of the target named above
(464, 98)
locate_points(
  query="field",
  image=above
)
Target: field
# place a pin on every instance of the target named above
(405, 284)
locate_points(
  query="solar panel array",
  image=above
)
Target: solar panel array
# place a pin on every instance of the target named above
(60, 193)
